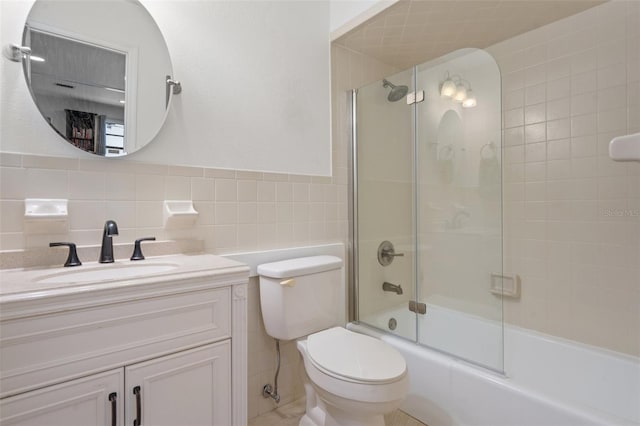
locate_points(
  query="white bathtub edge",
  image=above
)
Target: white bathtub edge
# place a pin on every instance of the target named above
(460, 393)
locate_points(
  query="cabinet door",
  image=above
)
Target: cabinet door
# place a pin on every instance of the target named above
(93, 400)
(189, 388)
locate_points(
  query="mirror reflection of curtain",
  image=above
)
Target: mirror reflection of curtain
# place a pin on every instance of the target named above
(79, 129)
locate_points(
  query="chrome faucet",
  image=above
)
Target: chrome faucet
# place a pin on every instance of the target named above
(397, 289)
(106, 251)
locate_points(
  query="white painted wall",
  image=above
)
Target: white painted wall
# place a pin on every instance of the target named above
(256, 87)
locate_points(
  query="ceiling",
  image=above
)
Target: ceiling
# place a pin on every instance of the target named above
(415, 31)
(77, 70)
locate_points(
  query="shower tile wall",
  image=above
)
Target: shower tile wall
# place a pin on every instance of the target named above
(572, 216)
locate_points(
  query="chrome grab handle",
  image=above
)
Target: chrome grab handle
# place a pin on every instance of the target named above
(113, 398)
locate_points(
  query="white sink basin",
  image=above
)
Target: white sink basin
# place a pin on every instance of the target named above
(106, 272)
(22, 284)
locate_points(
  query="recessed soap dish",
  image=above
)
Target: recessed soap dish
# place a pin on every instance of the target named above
(505, 285)
(179, 214)
(45, 215)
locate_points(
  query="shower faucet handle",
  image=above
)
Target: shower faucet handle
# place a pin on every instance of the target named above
(386, 253)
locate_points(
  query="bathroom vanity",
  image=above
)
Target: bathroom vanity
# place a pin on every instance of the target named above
(157, 342)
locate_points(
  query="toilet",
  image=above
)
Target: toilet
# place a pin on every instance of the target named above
(350, 379)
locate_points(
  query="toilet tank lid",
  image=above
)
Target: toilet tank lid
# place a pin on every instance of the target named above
(300, 266)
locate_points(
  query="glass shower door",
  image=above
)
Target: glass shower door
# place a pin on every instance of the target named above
(459, 207)
(427, 182)
(384, 188)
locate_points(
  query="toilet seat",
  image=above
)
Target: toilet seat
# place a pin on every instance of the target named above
(354, 357)
(335, 388)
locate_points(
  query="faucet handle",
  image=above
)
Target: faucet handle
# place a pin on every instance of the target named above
(137, 250)
(72, 259)
(386, 253)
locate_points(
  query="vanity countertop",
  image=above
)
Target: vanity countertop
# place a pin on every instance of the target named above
(30, 284)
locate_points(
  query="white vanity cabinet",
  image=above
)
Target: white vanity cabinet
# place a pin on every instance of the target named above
(161, 351)
(189, 388)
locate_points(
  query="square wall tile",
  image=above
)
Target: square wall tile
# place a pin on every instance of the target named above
(226, 190)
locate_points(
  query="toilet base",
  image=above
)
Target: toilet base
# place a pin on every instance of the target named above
(307, 421)
(320, 411)
(332, 416)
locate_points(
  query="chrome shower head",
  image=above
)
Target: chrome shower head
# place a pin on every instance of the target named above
(397, 92)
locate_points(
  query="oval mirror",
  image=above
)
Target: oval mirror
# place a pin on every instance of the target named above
(99, 72)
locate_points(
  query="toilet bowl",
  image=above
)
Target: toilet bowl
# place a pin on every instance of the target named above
(350, 379)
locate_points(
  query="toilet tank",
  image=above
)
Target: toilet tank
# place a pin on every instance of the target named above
(301, 296)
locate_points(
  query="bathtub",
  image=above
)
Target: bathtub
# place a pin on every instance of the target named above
(548, 381)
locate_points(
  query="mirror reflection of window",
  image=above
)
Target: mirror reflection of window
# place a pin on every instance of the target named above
(114, 139)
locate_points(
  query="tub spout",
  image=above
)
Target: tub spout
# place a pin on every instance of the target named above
(395, 288)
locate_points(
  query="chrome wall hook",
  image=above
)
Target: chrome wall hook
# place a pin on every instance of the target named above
(173, 87)
(177, 87)
(16, 53)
